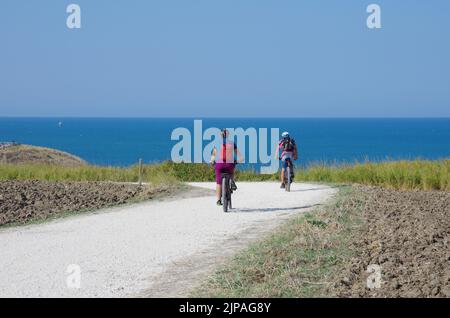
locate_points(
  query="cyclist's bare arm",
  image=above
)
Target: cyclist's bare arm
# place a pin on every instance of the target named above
(213, 155)
(239, 155)
(277, 153)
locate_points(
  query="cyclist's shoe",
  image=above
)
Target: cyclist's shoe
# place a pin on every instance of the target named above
(233, 185)
(219, 202)
(282, 186)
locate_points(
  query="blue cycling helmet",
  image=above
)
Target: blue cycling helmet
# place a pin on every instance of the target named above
(285, 134)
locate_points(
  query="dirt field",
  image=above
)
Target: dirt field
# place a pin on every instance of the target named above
(22, 201)
(407, 233)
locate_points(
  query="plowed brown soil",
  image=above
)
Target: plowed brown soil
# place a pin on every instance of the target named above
(407, 233)
(22, 201)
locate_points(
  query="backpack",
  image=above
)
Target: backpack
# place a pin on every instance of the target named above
(288, 144)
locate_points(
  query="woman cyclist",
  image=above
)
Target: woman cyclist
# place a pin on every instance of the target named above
(224, 161)
(289, 151)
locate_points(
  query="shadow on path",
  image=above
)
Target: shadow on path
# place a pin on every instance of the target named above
(321, 188)
(243, 210)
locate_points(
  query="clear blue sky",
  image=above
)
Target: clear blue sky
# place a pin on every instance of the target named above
(238, 58)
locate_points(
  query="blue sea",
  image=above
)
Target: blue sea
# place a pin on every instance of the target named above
(122, 141)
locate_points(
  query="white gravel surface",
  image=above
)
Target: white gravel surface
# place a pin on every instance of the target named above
(124, 251)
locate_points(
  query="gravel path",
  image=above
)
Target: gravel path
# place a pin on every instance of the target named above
(145, 249)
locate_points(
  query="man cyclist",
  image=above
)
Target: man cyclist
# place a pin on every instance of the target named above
(225, 162)
(289, 150)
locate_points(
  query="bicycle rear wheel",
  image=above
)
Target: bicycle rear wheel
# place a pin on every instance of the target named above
(225, 194)
(288, 178)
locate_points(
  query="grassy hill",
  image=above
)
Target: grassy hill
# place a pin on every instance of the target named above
(26, 154)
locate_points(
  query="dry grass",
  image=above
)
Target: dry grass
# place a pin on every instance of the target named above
(417, 174)
(296, 261)
(25, 154)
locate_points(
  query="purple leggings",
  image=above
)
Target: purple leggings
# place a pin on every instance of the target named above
(223, 167)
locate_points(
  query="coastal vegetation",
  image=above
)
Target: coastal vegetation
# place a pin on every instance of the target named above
(414, 174)
(14, 153)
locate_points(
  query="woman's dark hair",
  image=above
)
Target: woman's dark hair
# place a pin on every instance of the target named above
(224, 133)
